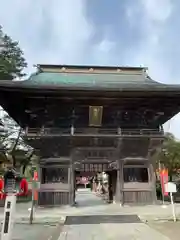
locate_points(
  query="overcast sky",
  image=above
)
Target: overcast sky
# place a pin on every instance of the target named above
(99, 32)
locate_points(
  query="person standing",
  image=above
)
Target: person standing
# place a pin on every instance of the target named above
(91, 180)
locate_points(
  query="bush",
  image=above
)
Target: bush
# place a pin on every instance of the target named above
(24, 197)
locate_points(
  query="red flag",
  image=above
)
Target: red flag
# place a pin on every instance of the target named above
(35, 190)
(35, 175)
(1, 188)
(164, 180)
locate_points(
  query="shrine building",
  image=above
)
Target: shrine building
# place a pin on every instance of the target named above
(91, 119)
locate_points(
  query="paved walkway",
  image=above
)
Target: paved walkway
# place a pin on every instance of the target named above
(94, 219)
(88, 205)
(35, 232)
(94, 223)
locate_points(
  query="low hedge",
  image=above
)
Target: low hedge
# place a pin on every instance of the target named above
(20, 198)
(25, 198)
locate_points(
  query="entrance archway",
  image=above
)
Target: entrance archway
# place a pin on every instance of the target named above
(94, 160)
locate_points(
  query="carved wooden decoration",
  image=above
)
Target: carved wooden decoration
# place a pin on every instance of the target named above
(92, 167)
(113, 165)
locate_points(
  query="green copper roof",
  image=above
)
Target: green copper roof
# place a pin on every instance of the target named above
(99, 80)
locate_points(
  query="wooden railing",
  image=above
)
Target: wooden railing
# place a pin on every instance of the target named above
(96, 132)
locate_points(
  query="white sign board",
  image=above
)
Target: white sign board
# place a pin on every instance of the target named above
(9, 215)
(170, 187)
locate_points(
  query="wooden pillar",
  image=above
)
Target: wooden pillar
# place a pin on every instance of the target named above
(40, 180)
(119, 183)
(110, 186)
(118, 193)
(95, 183)
(71, 184)
(39, 173)
(119, 167)
(153, 182)
(74, 194)
(151, 172)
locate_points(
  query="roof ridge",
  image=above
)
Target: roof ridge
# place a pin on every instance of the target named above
(92, 73)
(68, 66)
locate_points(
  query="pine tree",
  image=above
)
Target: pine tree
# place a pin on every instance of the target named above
(12, 61)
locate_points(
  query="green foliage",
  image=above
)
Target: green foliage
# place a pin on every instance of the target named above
(169, 157)
(15, 150)
(12, 61)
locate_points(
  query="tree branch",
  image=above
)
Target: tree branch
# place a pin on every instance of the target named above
(28, 160)
(14, 148)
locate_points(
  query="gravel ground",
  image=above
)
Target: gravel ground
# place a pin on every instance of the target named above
(168, 228)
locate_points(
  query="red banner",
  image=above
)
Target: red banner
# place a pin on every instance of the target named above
(35, 176)
(164, 180)
(35, 190)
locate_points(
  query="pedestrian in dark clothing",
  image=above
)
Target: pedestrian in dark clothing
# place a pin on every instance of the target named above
(91, 183)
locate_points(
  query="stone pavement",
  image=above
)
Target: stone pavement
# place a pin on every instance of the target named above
(104, 225)
(136, 231)
(35, 231)
(89, 204)
(102, 221)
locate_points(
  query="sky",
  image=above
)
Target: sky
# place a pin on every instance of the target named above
(99, 32)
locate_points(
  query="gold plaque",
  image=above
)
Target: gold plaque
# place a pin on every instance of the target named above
(95, 115)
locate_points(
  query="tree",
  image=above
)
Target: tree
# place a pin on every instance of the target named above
(12, 61)
(169, 157)
(13, 148)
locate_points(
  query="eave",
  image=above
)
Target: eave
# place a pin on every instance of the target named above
(14, 93)
(19, 86)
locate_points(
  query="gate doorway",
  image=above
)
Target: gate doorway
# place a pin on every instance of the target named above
(92, 167)
(101, 184)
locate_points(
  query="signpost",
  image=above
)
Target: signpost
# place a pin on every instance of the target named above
(10, 205)
(8, 222)
(171, 188)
